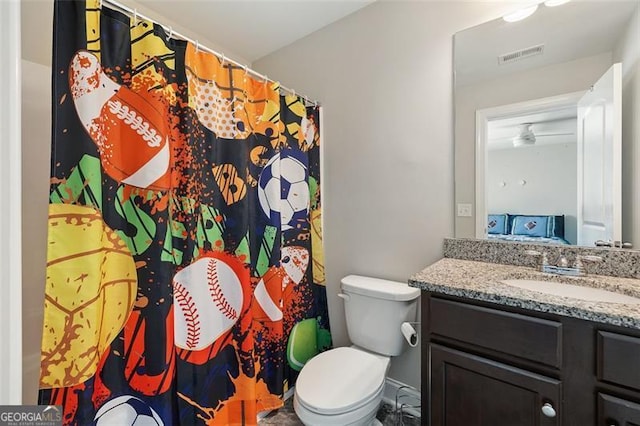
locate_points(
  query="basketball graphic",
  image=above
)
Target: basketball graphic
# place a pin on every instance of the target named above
(128, 129)
(214, 111)
(207, 296)
(90, 290)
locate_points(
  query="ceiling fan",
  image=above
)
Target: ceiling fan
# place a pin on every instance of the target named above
(526, 135)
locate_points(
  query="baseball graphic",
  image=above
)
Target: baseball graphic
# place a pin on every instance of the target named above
(207, 297)
(128, 129)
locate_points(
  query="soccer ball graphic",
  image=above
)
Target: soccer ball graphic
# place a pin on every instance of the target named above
(283, 190)
(127, 411)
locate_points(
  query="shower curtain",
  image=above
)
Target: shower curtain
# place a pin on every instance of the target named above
(185, 279)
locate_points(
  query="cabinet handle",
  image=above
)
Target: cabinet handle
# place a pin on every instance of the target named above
(548, 410)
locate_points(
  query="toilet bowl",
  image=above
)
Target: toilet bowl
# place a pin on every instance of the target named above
(343, 386)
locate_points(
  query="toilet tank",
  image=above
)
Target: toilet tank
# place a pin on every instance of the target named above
(375, 309)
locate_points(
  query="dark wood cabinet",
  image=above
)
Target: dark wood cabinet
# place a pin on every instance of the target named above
(471, 390)
(486, 364)
(614, 411)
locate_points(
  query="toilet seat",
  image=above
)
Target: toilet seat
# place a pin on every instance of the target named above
(341, 380)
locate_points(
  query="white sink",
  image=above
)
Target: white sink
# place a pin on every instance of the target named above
(589, 294)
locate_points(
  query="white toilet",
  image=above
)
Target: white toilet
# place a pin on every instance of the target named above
(344, 386)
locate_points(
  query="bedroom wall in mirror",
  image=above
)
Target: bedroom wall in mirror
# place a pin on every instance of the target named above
(547, 126)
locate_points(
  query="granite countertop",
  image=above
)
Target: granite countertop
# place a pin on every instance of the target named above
(481, 281)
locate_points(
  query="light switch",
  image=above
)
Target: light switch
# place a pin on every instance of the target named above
(464, 210)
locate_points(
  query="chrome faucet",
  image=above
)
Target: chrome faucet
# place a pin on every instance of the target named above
(543, 262)
(562, 268)
(581, 258)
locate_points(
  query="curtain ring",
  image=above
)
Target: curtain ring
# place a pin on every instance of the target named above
(246, 70)
(135, 17)
(170, 33)
(266, 80)
(223, 59)
(293, 91)
(197, 46)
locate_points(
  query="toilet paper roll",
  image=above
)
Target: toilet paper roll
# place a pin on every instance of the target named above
(410, 334)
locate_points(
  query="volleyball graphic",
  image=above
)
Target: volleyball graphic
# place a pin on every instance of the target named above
(127, 411)
(128, 129)
(283, 189)
(207, 297)
(91, 284)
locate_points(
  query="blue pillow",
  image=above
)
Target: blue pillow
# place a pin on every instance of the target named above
(533, 226)
(497, 224)
(556, 226)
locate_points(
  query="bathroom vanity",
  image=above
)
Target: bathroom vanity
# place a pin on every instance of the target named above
(495, 354)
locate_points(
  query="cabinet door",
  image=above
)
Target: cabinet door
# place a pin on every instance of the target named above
(470, 390)
(614, 411)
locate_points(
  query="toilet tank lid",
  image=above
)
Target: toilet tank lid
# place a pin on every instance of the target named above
(379, 288)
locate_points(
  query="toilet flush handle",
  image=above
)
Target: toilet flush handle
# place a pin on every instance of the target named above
(346, 297)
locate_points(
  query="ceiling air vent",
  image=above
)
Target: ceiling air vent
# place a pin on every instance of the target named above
(521, 54)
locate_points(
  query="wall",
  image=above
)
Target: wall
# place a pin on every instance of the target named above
(384, 76)
(550, 173)
(627, 51)
(539, 83)
(10, 207)
(36, 154)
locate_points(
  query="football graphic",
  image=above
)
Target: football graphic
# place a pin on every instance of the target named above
(268, 295)
(127, 411)
(128, 129)
(530, 225)
(283, 190)
(269, 291)
(207, 297)
(492, 224)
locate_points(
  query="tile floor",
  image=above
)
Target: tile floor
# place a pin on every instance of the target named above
(287, 417)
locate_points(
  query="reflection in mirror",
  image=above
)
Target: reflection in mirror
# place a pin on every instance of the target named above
(547, 127)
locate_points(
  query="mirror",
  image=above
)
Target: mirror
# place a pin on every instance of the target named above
(527, 164)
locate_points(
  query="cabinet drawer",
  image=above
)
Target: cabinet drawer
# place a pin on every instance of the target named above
(616, 354)
(616, 411)
(530, 338)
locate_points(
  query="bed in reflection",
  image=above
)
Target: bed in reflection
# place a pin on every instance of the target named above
(526, 228)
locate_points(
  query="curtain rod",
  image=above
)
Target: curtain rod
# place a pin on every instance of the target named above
(175, 34)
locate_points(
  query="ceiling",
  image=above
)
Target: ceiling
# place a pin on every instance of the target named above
(574, 30)
(245, 30)
(555, 126)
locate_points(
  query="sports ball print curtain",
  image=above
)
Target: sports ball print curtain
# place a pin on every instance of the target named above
(185, 279)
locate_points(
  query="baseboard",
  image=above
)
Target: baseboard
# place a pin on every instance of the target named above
(406, 395)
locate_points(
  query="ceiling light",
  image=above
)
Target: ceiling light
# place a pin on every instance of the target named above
(552, 3)
(520, 14)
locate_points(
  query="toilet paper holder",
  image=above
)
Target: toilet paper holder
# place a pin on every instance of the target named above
(409, 332)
